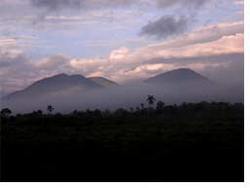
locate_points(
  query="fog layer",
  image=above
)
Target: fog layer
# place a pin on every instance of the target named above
(126, 96)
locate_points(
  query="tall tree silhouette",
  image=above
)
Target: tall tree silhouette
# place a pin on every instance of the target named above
(151, 100)
(142, 107)
(50, 108)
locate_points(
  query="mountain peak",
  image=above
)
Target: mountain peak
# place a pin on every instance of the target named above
(182, 75)
(59, 75)
(182, 70)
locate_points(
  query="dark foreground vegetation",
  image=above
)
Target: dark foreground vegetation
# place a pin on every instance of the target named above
(189, 142)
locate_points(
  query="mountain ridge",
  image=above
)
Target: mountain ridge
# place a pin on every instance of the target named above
(63, 82)
(56, 83)
(178, 76)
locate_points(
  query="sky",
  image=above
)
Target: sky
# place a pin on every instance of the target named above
(122, 40)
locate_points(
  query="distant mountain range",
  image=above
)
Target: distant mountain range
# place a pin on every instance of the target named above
(60, 83)
(63, 82)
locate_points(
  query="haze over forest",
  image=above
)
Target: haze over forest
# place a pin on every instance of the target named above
(122, 90)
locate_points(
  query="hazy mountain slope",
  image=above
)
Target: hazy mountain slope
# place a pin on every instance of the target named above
(67, 93)
(179, 76)
(57, 83)
(103, 81)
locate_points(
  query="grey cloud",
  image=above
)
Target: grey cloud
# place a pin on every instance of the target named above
(221, 58)
(17, 71)
(56, 4)
(65, 4)
(59, 4)
(184, 3)
(169, 25)
(7, 59)
(165, 27)
(208, 35)
(35, 11)
(14, 71)
(230, 74)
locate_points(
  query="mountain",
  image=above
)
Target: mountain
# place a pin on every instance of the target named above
(103, 81)
(179, 76)
(57, 83)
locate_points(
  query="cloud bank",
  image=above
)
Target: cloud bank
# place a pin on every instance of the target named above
(209, 48)
(62, 4)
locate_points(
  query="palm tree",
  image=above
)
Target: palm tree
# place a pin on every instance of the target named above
(142, 106)
(5, 112)
(151, 100)
(160, 105)
(50, 108)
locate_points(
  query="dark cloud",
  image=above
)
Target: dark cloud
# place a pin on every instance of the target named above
(169, 25)
(184, 3)
(165, 27)
(87, 4)
(56, 4)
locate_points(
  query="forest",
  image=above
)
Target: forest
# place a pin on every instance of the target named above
(153, 142)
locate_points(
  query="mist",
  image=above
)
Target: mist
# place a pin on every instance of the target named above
(124, 96)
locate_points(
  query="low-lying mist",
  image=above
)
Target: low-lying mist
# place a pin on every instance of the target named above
(125, 96)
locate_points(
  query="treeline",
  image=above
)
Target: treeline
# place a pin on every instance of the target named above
(152, 106)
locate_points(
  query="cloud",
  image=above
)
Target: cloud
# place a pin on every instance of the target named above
(164, 27)
(15, 69)
(239, 2)
(170, 25)
(77, 4)
(62, 14)
(204, 59)
(119, 54)
(184, 3)
(37, 14)
(205, 34)
(52, 62)
(123, 64)
(213, 47)
(9, 58)
(7, 42)
(56, 4)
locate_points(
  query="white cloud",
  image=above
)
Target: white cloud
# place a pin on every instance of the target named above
(119, 54)
(205, 34)
(216, 40)
(124, 64)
